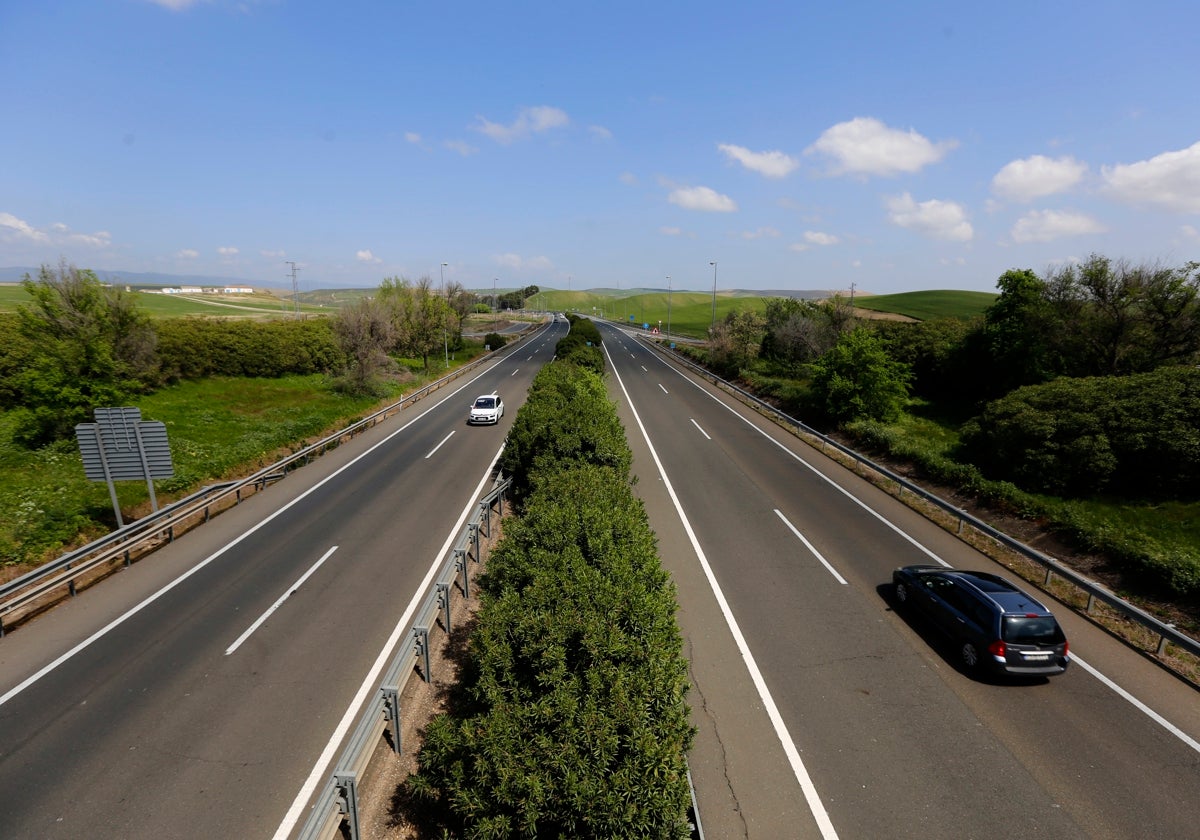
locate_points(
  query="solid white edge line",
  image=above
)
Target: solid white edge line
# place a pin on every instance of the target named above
(1138, 704)
(132, 611)
(701, 431)
(291, 590)
(801, 772)
(371, 684)
(439, 446)
(810, 547)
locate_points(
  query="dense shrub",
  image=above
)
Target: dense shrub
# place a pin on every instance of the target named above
(859, 380)
(494, 340)
(191, 348)
(567, 419)
(1133, 436)
(571, 717)
(581, 346)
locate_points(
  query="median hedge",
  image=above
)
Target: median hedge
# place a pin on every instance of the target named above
(570, 719)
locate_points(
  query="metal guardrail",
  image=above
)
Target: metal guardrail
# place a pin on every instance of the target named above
(1053, 568)
(336, 806)
(23, 596)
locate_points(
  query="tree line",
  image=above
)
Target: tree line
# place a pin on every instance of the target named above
(80, 344)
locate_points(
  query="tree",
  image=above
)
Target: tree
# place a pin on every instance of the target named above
(735, 341)
(1017, 332)
(365, 333)
(858, 380)
(92, 347)
(462, 303)
(418, 316)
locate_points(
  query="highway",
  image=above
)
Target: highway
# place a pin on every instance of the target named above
(820, 711)
(172, 702)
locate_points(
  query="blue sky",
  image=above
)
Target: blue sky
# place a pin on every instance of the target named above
(895, 146)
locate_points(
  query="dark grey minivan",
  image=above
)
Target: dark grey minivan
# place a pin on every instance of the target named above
(995, 624)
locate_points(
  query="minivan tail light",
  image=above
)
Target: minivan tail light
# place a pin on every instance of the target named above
(998, 649)
(1066, 650)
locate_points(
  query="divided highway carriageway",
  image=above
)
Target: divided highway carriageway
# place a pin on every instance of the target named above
(195, 694)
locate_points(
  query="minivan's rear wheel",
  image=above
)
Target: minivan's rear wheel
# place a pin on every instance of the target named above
(970, 655)
(901, 593)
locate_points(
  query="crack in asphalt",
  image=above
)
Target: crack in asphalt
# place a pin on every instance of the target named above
(720, 743)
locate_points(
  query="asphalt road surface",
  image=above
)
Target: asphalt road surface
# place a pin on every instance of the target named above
(820, 710)
(168, 710)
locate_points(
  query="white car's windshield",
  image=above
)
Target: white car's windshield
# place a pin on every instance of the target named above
(485, 402)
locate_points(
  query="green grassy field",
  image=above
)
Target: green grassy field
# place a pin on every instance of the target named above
(256, 305)
(924, 306)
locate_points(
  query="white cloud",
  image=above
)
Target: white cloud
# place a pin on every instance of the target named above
(461, 146)
(277, 255)
(1189, 232)
(175, 5)
(761, 233)
(1048, 225)
(518, 263)
(773, 164)
(99, 239)
(1037, 176)
(600, 132)
(666, 230)
(365, 256)
(816, 237)
(227, 251)
(413, 137)
(629, 179)
(12, 228)
(702, 198)
(939, 219)
(1170, 180)
(529, 122)
(865, 146)
(187, 254)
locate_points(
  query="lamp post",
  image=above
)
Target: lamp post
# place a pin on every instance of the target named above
(714, 313)
(668, 306)
(445, 315)
(495, 303)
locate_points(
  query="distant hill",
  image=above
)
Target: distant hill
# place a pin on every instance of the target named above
(943, 303)
(13, 274)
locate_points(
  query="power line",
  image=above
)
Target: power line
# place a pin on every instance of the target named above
(295, 289)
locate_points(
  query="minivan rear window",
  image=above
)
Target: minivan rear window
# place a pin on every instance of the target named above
(1038, 630)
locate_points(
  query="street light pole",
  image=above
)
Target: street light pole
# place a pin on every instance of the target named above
(714, 314)
(445, 315)
(495, 303)
(668, 307)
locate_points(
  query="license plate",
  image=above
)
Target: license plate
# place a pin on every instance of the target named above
(1036, 655)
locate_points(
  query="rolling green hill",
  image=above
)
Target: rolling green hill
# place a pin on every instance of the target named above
(924, 306)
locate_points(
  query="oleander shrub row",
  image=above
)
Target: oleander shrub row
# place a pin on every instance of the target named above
(570, 718)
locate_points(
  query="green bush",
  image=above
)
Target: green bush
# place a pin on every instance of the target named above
(494, 340)
(571, 717)
(192, 348)
(567, 419)
(1134, 436)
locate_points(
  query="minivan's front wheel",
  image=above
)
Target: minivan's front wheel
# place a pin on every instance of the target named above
(970, 656)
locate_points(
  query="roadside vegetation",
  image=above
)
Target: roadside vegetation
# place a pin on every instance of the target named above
(233, 393)
(1071, 401)
(570, 718)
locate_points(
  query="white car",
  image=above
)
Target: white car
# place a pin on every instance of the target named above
(487, 408)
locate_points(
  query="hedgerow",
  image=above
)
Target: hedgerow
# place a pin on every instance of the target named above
(571, 718)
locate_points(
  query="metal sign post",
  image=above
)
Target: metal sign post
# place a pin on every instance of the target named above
(120, 446)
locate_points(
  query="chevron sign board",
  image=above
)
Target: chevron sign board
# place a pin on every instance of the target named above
(131, 448)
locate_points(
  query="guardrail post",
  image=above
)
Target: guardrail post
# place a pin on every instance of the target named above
(473, 529)
(443, 596)
(391, 713)
(1049, 576)
(460, 565)
(1091, 603)
(485, 516)
(347, 801)
(421, 637)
